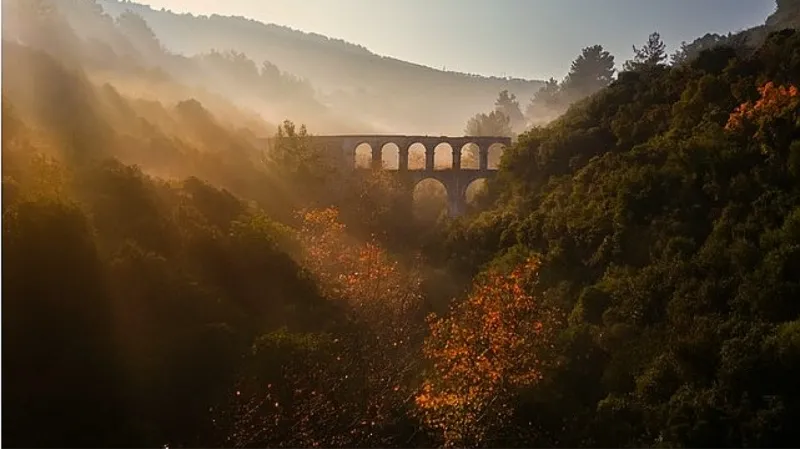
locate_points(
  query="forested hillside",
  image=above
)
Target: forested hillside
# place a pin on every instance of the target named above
(629, 278)
(136, 307)
(664, 211)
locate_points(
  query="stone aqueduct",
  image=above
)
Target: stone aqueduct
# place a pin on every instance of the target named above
(455, 178)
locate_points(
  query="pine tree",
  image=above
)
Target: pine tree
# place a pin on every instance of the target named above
(591, 71)
(652, 54)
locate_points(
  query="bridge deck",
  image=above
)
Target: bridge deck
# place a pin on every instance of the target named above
(500, 139)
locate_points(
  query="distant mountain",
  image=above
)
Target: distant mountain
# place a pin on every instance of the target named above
(391, 94)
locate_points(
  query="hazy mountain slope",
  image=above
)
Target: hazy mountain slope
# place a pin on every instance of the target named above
(786, 15)
(395, 95)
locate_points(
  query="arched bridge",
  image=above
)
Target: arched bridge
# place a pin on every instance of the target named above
(456, 162)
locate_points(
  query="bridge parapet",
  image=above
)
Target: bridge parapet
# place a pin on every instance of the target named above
(346, 146)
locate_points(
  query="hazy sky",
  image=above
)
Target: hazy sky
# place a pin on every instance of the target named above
(522, 38)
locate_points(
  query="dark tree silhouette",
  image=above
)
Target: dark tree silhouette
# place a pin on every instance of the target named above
(591, 71)
(652, 54)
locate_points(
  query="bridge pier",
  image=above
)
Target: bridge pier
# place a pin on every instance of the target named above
(402, 163)
(456, 159)
(429, 162)
(377, 160)
(456, 204)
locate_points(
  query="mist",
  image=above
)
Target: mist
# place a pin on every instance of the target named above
(331, 86)
(274, 73)
(386, 95)
(210, 240)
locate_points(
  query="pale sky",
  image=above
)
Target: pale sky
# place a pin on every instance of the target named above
(520, 38)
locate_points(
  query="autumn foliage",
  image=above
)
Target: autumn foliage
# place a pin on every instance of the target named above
(381, 295)
(346, 387)
(360, 274)
(487, 348)
(774, 100)
(758, 119)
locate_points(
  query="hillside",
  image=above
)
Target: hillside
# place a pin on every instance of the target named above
(629, 278)
(665, 211)
(400, 96)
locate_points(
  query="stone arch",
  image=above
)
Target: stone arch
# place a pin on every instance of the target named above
(474, 188)
(443, 156)
(390, 156)
(470, 156)
(363, 156)
(416, 156)
(430, 199)
(494, 154)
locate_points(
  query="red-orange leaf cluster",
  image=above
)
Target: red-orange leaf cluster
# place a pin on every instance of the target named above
(489, 346)
(774, 101)
(359, 273)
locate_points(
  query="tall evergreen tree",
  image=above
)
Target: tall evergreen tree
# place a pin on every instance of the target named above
(652, 54)
(591, 71)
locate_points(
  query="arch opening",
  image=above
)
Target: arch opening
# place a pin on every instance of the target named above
(416, 156)
(476, 190)
(443, 156)
(429, 200)
(470, 156)
(495, 155)
(390, 156)
(363, 156)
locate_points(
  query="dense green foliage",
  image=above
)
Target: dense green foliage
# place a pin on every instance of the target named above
(665, 216)
(630, 281)
(127, 300)
(152, 256)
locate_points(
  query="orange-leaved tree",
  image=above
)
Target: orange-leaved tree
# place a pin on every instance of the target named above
(361, 274)
(383, 297)
(489, 346)
(349, 386)
(763, 119)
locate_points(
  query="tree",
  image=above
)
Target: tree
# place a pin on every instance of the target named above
(778, 105)
(41, 25)
(546, 103)
(591, 71)
(487, 348)
(140, 34)
(787, 15)
(548, 94)
(300, 167)
(683, 325)
(507, 104)
(62, 364)
(346, 387)
(233, 65)
(495, 123)
(652, 54)
(687, 52)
